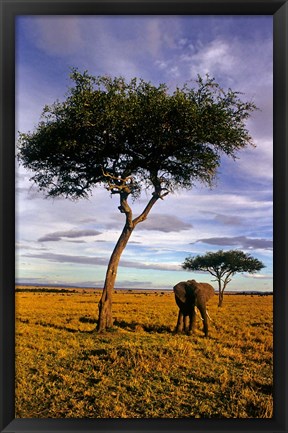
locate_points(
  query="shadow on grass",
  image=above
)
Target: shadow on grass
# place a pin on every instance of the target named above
(128, 326)
(102, 354)
(134, 327)
(64, 328)
(85, 319)
(263, 388)
(123, 324)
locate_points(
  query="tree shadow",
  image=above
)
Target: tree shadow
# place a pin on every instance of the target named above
(85, 319)
(135, 326)
(64, 328)
(59, 327)
(263, 388)
(99, 353)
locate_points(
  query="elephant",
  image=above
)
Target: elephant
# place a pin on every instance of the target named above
(188, 295)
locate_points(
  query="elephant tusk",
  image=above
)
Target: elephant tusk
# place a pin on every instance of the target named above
(198, 314)
(208, 315)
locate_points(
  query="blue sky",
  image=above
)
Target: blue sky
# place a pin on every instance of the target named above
(64, 242)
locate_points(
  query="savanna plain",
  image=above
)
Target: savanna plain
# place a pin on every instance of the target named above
(140, 368)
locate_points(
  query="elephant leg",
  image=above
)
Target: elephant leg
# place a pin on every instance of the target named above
(192, 321)
(203, 312)
(179, 325)
(186, 323)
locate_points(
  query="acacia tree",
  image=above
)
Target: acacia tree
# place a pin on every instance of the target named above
(223, 265)
(129, 137)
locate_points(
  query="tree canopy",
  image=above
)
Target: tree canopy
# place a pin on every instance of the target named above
(223, 265)
(129, 137)
(134, 135)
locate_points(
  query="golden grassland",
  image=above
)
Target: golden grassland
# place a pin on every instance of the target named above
(140, 368)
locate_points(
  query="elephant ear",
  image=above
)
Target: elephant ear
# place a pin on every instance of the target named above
(180, 291)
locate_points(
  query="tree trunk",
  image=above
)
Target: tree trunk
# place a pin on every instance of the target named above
(105, 319)
(221, 295)
(105, 305)
(221, 290)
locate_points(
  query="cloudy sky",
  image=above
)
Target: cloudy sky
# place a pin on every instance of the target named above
(64, 242)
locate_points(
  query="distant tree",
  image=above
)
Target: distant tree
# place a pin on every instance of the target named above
(131, 137)
(223, 265)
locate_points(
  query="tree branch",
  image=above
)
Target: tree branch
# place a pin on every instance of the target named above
(147, 209)
(118, 183)
(211, 272)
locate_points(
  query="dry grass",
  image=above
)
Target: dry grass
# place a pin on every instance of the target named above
(140, 369)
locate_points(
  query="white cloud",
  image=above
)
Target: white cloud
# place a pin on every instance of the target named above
(154, 36)
(215, 58)
(84, 260)
(258, 162)
(57, 35)
(259, 276)
(161, 65)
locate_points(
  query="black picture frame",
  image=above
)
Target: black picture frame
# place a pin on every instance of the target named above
(9, 10)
